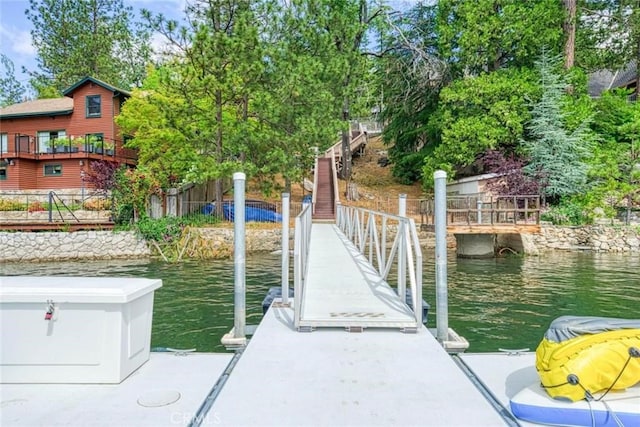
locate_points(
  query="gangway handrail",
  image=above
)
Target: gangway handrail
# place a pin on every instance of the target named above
(369, 230)
(302, 240)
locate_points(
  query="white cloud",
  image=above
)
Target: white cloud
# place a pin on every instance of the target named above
(17, 41)
(23, 45)
(161, 47)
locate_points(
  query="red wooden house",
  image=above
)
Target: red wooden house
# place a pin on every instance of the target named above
(48, 143)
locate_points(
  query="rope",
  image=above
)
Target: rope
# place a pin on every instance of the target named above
(616, 380)
(613, 414)
(574, 380)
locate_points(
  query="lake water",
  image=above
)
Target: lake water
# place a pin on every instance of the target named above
(495, 303)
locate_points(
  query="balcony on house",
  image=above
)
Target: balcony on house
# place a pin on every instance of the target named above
(50, 146)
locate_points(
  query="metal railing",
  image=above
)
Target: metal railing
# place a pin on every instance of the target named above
(205, 212)
(301, 239)
(370, 232)
(47, 207)
(44, 147)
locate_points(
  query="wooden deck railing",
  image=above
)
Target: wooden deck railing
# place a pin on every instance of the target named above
(490, 211)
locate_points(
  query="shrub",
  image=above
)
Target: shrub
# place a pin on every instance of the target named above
(11, 205)
(164, 229)
(568, 213)
(36, 207)
(97, 204)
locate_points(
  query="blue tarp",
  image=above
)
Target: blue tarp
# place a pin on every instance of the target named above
(250, 213)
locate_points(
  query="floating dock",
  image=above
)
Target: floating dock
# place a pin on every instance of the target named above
(168, 390)
(331, 377)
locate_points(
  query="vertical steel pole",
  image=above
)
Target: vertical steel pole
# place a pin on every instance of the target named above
(285, 248)
(442, 309)
(402, 205)
(239, 321)
(479, 209)
(50, 206)
(402, 250)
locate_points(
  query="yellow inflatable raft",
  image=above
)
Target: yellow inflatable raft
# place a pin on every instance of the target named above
(581, 356)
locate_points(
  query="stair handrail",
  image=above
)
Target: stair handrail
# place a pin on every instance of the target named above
(369, 230)
(331, 151)
(334, 178)
(301, 244)
(315, 184)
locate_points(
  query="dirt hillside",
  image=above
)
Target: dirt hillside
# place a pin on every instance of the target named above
(375, 183)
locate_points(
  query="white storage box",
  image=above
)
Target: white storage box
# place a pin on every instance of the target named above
(74, 329)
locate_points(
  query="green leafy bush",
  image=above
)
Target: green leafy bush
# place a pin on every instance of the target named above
(164, 229)
(568, 213)
(11, 205)
(169, 228)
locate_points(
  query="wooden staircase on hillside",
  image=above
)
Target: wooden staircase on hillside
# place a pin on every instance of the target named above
(325, 199)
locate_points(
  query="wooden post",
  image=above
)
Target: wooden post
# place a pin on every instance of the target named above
(493, 209)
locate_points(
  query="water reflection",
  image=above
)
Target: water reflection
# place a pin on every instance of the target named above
(506, 302)
(509, 302)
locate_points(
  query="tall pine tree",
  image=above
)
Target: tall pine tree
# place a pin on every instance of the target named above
(78, 38)
(556, 155)
(11, 91)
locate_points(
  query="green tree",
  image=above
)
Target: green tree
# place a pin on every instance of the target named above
(555, 154)
(477, 114)
(153, 115)
(203, 97)
(608, 35)
(410, 77)
(614, 172)
(486, 35)
(338, 30)
(82, 38)
(11, 91)
(296, 104)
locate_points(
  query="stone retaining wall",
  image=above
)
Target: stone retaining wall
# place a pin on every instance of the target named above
(108, 245)
(262, 240)
(43, 216)
(45, 246)
(596, 238)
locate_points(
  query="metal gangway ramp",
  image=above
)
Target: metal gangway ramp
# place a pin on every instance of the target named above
(341, 271)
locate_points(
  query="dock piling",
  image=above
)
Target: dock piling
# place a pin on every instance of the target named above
(402, 251)
(285, 248)
(442, 310)
(239, 260)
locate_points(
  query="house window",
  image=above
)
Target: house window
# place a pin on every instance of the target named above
(3, 170)
(52, 141)
(53, 170)
(94, 103)
(3, 143)
(95, 142)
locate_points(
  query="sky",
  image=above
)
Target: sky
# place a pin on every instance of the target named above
(15, 28)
